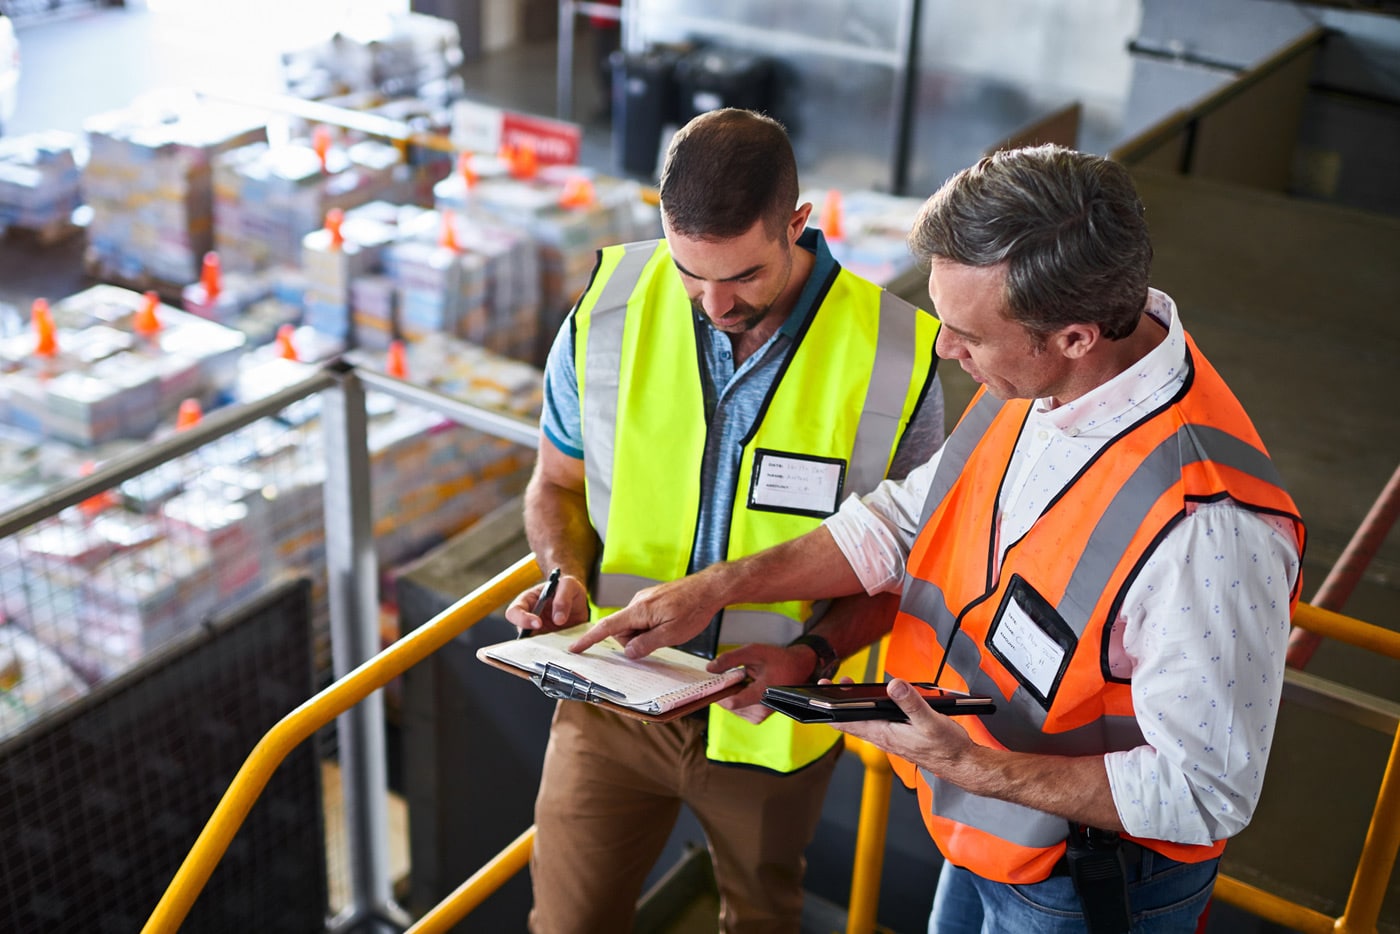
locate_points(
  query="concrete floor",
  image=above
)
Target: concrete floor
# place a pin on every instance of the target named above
(1294, 302)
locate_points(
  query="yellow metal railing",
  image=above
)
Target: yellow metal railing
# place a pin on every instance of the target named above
(1377, 860)
(311, 716)
(1374, 867)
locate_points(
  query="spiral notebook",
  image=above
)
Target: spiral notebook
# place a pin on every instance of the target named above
(668, 681)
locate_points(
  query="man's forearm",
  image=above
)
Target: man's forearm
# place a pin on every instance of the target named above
(855, 621)
(806, 568)
(810, 567)
(558, 529)
(1075, 788)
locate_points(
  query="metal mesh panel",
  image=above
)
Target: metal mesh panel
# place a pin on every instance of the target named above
(87, 593)
(90, 591)
(103, 799)
(91, 595)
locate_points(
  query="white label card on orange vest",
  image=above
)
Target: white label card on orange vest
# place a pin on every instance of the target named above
(796, 483)
(1028, 649)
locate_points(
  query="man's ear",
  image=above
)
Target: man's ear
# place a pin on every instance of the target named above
(1074, 341)
(799, 221)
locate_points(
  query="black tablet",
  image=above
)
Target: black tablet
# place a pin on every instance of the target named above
(835, 703)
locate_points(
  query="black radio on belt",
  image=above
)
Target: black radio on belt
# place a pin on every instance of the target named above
(1096, 864)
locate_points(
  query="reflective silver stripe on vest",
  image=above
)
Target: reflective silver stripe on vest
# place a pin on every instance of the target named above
(1157, 474)
(738, 627)
(885, 395)
(618, 589)
(1021, 825)
(956, 451)
(602, 376)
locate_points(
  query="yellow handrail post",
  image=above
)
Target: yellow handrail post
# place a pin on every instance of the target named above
(303, 722)
(1377, 860)
(870, 837)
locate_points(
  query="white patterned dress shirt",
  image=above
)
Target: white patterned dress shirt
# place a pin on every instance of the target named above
(1203, 630)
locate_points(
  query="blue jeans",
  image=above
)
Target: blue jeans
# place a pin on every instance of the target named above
(1167, 897)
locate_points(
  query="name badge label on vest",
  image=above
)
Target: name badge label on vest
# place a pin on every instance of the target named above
(797, 484)
(1032, 640)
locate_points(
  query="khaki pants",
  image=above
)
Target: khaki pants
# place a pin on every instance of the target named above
(609, 797)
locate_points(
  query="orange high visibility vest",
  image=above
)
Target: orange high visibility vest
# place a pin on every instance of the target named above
(1081, 555)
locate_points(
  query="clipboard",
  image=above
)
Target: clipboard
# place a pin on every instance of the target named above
(545, 661)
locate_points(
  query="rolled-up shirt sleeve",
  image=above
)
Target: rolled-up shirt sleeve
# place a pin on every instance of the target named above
(1205, 629)
(875, 531)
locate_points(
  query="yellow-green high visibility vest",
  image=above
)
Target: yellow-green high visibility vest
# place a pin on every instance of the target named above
(838, 410)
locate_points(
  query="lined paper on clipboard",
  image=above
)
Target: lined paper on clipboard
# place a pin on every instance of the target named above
(666, 679)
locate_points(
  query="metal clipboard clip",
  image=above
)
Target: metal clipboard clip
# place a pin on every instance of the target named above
(562, 684)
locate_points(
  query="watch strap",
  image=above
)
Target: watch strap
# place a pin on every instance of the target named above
(827, 659)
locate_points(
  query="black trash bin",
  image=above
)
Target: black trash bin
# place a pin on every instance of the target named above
(711, 78)
(643, 101)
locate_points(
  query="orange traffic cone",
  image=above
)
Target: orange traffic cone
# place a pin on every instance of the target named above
(447, 236)
(522, 161)
(464, 166)
(321, 142)
(396, 365)
(578, 193)
(211, 277)
(285, 348)
(189, 414)
(98, 501)
(45, 334)
(146, 322)
(832, 222)
(334, 218)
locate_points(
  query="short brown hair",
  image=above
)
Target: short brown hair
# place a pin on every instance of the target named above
(726, 169)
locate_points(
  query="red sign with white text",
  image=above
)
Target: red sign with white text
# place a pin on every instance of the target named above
(554, 141)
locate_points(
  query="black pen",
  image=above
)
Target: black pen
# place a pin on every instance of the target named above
(551, 584)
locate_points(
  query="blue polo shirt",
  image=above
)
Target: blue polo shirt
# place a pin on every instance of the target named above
(733, 399)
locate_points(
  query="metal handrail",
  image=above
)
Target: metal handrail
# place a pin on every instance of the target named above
(318, 712)
(120, 469)
(1362, 910)
(1348, 571)
(1378, 852)
(1182, 119)
(870, 836)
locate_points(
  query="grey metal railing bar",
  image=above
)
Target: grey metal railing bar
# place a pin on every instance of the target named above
(464, 413)
(217, 424)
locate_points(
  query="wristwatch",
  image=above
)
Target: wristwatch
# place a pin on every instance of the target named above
(826, 655)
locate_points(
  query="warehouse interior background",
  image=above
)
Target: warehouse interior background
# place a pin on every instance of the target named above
(1276, 227)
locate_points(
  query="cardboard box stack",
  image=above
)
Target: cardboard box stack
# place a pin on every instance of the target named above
(432, 477)
(267, 198)
(119, 363)
(466, 277)
(569, 212)
(349, 247)
(398, 55)
(149, 183)
(39, 182)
